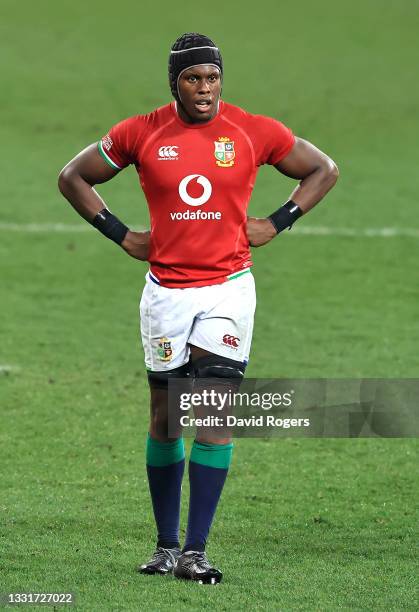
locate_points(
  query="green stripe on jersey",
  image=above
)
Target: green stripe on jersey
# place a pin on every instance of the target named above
(237, 274)
(106, 157)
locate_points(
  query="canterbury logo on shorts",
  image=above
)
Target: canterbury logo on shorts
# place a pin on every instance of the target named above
(232, 341)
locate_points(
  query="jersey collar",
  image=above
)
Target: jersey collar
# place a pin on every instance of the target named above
(198, 126)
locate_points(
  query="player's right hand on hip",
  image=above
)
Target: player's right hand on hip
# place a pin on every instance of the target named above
(137, 244)
(259, 231)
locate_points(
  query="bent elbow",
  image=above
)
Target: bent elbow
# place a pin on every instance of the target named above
(329, 173)
(61, 181)
(64, 179)
(333, 171)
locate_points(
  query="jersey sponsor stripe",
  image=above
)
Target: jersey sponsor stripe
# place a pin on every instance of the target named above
(237, 274)
(106, 156)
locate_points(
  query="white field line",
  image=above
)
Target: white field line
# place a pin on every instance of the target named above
(46, 228)
(33, 228)
(5, 369)
(300, 230)
(365, 232)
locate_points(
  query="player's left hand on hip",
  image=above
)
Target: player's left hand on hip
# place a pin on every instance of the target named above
(137, 244)
(259, 231)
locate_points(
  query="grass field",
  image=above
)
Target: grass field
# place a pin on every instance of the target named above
(303, 524)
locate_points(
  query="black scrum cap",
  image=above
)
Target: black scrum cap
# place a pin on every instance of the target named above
(188, 50)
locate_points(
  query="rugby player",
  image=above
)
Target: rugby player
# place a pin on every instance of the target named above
(197, 160)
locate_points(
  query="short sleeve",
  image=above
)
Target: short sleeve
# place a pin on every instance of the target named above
(119, 146)
(274, 140)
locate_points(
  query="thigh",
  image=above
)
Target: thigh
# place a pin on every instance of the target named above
(225, 324)
(166, 317)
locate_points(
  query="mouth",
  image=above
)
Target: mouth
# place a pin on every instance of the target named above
(203, 105)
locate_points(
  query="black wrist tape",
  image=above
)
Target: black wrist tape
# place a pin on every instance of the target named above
(285, 216)
(110, 226)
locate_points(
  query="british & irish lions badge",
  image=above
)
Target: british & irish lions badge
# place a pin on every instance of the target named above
(224, 152)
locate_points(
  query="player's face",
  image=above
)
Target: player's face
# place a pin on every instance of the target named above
(199, 89)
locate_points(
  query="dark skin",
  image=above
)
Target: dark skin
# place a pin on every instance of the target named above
(199, 90)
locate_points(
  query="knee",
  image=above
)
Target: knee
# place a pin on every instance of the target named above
(159, 403)
(159, 420)
(225, 374)
(219, 367)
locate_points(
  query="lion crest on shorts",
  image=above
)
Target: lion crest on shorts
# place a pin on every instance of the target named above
(164, 350)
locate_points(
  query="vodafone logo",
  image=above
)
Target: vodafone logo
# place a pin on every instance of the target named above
(168, 153)
(232, 341)
(197, 201)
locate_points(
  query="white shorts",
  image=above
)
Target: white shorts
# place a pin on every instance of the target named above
(217, 318)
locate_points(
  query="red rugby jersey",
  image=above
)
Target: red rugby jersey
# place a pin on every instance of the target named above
(197, 179)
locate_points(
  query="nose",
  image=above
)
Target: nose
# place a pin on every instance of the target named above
(204, 86)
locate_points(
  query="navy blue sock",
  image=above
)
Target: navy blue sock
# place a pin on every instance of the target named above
(165, 467)
(208, 468)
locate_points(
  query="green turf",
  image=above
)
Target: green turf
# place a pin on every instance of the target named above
(303, 524)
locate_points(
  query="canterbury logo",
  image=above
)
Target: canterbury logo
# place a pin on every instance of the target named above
(231, 340)
(201, 180)
(168, 152)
